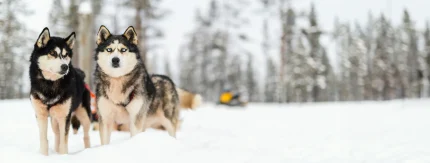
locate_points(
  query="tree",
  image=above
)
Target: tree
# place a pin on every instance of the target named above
(425, 63)
(12, 34)
(147, 13)
(251, 82)
(57, 19)
(320, 63)
(271, 82)
(384, 71)
(407, 59)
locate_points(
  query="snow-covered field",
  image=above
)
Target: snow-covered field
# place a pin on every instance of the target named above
(377, 132)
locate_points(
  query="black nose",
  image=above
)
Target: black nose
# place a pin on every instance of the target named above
(115, 62)
(64, 67)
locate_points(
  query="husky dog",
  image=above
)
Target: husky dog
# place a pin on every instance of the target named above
(57, 90)
(164, 109)
(124, 89)
(189, 100)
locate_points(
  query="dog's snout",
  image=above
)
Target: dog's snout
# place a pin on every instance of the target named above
(64, 67)
(115, 62)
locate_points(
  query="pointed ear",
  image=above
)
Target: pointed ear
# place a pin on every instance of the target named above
(43, 38)
(102, 35)
(131, 35)
(70, 40)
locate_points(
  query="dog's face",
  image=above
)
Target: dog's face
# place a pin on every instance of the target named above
(53, 54)
(117, 55)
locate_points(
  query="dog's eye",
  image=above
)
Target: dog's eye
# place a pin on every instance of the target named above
(123, 50)
(109, 49)
(53, 53)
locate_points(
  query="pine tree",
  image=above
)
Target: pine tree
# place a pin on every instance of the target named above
(408, 58)
(320, 62)
(425, 62)
(147, 13)
(366, 34)
(384, 71)
(271, 82)
(300, 73)
(343, 40)
(188, 77)
(204, 67)
(358, 68)
(251, 82)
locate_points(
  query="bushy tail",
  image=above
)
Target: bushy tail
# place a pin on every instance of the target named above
(189, 100)
(197, 101)
(75, 124)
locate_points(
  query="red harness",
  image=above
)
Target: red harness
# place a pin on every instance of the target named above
(130, 97)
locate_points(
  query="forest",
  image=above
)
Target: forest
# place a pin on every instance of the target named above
(286, 61)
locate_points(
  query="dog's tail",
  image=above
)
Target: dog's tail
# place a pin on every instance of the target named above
(75, 124)
(197, 101)
(189, 100)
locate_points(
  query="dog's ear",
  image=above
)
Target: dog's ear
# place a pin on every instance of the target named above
(43, 38)
(131, 35)
(70, 40)
(102, 35)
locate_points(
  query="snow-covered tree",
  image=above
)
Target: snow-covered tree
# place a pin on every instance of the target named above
(425, 63)
(320, 63)
(407, 58)
(384, 71)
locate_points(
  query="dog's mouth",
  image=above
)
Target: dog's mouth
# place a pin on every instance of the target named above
(48, 74)
(115, 65)
(63, 72)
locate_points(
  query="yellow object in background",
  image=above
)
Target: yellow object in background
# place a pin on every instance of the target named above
(225, 97)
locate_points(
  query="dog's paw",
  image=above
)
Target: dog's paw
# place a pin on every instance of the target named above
(44, 152)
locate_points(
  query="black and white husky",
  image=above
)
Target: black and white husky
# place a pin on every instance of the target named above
(57, 90)
(124, 89)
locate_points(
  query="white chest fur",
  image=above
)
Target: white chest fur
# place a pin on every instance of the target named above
(115, 91)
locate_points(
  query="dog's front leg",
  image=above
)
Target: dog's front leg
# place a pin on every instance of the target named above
(60, 113)
(106, 119)
(105, 123)
(64, 132)
(137, 109)
(56, 129)
(42, 114)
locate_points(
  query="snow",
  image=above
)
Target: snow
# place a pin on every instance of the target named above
(395, 131)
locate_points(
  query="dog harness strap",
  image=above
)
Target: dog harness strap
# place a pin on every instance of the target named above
(131, 96)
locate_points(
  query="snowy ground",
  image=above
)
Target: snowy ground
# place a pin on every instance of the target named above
(397, 131)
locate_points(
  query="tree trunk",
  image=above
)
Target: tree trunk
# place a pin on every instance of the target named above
(85, 40)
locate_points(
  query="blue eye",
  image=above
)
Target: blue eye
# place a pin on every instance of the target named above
(123, 50)
(109, 49)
